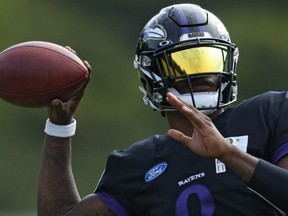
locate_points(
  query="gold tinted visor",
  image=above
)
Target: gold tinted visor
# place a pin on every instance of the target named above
(195, 60)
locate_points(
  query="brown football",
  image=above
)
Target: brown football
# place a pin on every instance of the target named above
(35, 72)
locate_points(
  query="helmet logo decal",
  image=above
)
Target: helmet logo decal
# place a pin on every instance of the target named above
(154, 33)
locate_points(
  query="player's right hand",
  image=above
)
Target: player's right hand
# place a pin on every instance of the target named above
(61, 113)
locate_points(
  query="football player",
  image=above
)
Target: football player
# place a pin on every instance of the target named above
(215, 159)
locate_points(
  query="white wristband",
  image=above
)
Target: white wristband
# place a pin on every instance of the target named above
(60, 130)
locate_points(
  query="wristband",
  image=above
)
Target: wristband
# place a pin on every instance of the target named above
(62, 131)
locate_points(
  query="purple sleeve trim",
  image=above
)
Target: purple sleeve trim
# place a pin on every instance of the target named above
(280, 153)
(113, 204)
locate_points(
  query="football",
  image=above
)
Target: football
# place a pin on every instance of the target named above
(35, 72)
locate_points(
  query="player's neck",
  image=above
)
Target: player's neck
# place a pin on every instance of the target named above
(179, 122)
(216, 113)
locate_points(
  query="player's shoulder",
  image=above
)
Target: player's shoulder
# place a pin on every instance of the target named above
(146, 144)
(270, 103)
(272, 95)
(267, 98)
(141, 149)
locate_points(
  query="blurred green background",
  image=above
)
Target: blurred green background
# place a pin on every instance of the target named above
(112, 115)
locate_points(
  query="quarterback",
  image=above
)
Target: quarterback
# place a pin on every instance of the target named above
(215, 159)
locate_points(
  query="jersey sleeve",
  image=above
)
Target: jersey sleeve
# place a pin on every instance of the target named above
(273, 187)
(279, 143)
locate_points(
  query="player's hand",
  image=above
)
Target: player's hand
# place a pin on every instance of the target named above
(60, 112)
(70, 49)
(205, 139)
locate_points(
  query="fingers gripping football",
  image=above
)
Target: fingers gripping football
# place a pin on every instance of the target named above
(60, 112)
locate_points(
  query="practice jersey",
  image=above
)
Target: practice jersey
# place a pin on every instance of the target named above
(160, 177)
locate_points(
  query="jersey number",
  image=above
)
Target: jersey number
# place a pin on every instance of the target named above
(205, 198)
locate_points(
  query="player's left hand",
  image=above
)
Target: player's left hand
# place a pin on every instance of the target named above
(205, 139)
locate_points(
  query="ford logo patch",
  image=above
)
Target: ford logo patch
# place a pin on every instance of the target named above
(155, 171)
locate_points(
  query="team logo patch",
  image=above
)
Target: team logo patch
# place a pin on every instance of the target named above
(155, 171)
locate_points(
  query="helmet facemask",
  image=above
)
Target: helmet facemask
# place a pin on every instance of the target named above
(163, 68)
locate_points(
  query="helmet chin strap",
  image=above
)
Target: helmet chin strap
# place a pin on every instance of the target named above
(203, 100)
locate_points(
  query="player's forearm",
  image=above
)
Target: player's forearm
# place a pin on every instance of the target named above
(57, 191)
(240, 162)
(264, 178)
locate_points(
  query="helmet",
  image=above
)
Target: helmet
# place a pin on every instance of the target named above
(181, 42)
